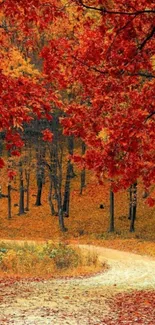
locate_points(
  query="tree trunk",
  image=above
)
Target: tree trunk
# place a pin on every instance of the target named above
(71, 151)
(39, 192)
(27, 176)
(67, 190)
(59, 200)
(61, 220)
(56, 155)
(83, 172)
(53, 169)
(134, 207)
(40, 180)
(59, 189)
(9, 201)
(40, 173)
(130, 203)
(53, 212)
(1, 148)
(21, 190)
(111, 227)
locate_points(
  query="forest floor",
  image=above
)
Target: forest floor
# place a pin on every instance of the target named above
(129, 283)
(87, 223)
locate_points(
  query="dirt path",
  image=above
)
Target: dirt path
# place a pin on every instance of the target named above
(76, 301)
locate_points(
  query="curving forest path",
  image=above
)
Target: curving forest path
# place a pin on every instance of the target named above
(80, 301)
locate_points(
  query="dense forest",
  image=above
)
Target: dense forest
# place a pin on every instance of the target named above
(76, 96)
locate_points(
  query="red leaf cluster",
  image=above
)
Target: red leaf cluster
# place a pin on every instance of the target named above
(11, 174)
(47, 135)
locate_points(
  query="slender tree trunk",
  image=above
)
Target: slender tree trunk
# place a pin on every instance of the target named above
(40, 179)
(67, 190)
(111, 226)
(83, 180)
(21, 198)
(83, 172)
(39, 192)
(69, 174)
(71, 151)
(53, 212)
(27, 177)
(28, 174)
(53, 191)
(59, 187)
(61, 220)
(59, 201)
(130, 203)
(21, 190)
(9, 201)
(56, 155)
(134, 207)
(1, 148)
(40, 155)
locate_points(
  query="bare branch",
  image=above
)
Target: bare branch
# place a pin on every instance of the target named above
(89, 67)
(149, 116)
(106, 11)
(121, 72)
(143, 74)
(149, 36)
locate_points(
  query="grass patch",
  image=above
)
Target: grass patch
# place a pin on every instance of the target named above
(46, 260)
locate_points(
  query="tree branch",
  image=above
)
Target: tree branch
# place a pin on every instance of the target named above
(118, 32)
(149, 36)
(89, 67)
(143, 74)
(106, 11)
(138, 74)
(149, 116)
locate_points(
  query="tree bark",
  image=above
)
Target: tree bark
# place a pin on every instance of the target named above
(66, 202)
(53, 212)
(39, 192)
(130, 203)
(9, 201)
(83, 172)
(112, 226)
(59, 189)
(21, 190)
(61, 220)
(40, 180)
(71, 151)
(27, 177)
(134, 207)
(40, 173)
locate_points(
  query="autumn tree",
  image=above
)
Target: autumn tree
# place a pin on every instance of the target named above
(104, 54)
(24, 94)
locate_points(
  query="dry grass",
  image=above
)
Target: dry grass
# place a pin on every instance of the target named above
(46, 260)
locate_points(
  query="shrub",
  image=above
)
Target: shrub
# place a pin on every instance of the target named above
(43, 260)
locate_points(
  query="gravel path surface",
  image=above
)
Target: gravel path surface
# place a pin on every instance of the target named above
(76, 301)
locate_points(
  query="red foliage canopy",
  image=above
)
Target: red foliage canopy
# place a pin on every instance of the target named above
(109, 56)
